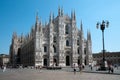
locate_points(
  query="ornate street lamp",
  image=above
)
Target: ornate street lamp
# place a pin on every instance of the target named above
(102, 26)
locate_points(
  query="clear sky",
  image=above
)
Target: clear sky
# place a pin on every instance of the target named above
(19, 16)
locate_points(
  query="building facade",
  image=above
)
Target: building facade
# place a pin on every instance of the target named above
(4, 60)
(57, 42)
(111, 58)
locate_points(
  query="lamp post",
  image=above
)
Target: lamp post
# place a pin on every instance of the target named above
(102, 26)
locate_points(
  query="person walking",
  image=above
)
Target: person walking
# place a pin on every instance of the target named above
(91, 67)
(74, 69)
(109, 69)
(40, 67)
(4, 68)
(112, 69)
(80, 68)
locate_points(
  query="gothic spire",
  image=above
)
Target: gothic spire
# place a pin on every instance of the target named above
(62, 11)
(74, 15)
(50, 18)
(53, 17)
(37, 19)
(14, 35)
(37, 22)
(59, 11)
(89, 36)
(81, 28)
(40, 23)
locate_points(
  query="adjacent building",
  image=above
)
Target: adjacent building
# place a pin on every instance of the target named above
(4, 59)
(58, 42)
(111, 57)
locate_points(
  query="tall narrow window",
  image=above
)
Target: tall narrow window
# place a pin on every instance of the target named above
(67, 43)
(78, 51)
(84, 50)
(54, 49)
(45, 49)
(66, 29)
(54, 39)
(77, 42)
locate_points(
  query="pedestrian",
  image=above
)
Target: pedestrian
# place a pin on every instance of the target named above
(109, 69)
(74, 69)
(91, 67)
(112, 70)
(40, 68)
(80, 68)
(4, 68)
(83, 66)
(117, 66)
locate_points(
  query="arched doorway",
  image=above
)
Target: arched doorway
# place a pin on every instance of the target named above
(18, 57)
(78, 61)
(45, 62)
(67, 61)
(55, 61)
(85, 62)
(54, 48)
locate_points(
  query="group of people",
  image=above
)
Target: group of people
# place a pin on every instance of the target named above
(110, 69)
(79, 66)
(3, 68)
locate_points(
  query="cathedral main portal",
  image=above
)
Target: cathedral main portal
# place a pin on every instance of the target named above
(45, 62)
(67, 60)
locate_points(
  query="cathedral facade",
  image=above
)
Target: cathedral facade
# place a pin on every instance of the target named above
(57, 42)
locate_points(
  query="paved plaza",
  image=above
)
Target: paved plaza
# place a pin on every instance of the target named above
(64, 74)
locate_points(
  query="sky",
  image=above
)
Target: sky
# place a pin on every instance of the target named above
(19, 16)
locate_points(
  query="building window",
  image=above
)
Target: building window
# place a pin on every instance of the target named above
(77, 42)
(84, 50)
(45, 49)
(66, 29)
(54, 49)
(67, 43)
(78, 51)
(54, 39)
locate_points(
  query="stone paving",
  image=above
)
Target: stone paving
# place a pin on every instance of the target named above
(64, 74)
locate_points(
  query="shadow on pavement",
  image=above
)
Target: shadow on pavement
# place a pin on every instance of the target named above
(101, 72)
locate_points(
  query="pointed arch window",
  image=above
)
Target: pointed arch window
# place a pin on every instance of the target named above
(66, 29)
(54, 39)
(54, 49)
(78, 51)
(84, 50)
(78, 42)
(45, 49)
(67, 43)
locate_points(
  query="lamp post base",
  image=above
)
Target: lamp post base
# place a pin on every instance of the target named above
(103, 66)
